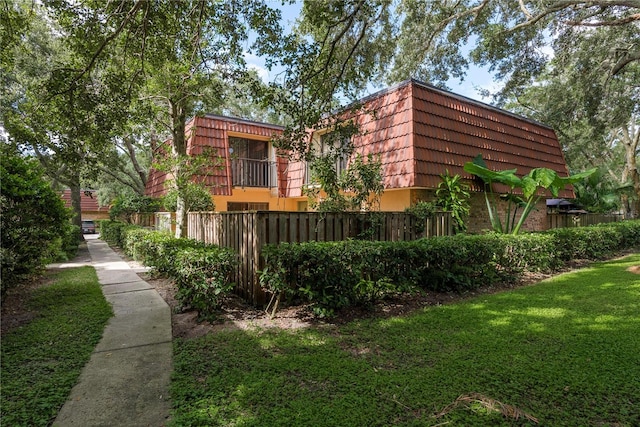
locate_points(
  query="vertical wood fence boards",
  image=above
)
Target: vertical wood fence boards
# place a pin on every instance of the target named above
(166, 221)
(248, 232)
(147, 220)
(556, 220)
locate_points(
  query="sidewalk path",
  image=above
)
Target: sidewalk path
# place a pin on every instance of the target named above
(126, 382)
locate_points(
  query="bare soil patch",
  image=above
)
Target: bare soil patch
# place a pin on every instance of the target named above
(15, 310)
(237, 314)
(634, 269)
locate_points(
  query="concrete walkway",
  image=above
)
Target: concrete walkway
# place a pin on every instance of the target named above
(126, 382)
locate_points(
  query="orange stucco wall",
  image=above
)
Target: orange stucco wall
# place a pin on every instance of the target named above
(255, 195)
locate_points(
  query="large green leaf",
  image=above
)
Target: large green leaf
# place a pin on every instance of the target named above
(529, 186)
(507, 177)
(544, 177)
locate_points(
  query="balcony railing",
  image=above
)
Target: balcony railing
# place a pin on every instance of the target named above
(253, 173)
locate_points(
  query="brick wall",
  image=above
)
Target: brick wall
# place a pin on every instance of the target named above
(479, 217)
(478, 220)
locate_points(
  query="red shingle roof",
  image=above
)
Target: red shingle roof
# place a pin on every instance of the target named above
(88, 201)
(421, 131)
(213, 131)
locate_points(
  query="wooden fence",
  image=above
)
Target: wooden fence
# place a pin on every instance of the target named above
(248, 232)
(145, 219)
(165, 221)
(561, 220)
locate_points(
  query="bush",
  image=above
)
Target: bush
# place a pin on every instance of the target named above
(66, 246)
(128, 204)
(201, 271)
(34, 220)
(113, 232)
(202, 276)
(333, 275)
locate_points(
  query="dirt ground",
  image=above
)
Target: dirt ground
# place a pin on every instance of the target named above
(239, 315)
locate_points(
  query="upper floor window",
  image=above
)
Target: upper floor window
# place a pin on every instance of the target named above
(334, 145)
(250, 165)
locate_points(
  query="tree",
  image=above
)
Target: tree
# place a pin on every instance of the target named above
(330, 58)
(182, 54)
(512, 37)
(597, 124)
(66, 123)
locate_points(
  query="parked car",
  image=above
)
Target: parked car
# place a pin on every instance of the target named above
(88, 227)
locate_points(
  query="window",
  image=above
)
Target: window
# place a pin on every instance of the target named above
(244, 148)
(250, 165)
(247, 206)
(338, 148)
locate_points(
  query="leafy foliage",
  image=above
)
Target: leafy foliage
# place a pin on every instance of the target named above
(187, 187)
(422, 211)
(512, 347)
(34, 224)
(126, 205)
(202, 277)
(356, 188)
(530, 185)
(41, 361)
(201, 271)
(452, 195)
(334, 275)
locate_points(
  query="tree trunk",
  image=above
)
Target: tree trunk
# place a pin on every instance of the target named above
(76, 206)
(630, 137)
(179, 149)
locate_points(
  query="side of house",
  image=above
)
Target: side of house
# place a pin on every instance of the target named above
(418, 131)
(246, 173)
(89, 206)
(421, 132)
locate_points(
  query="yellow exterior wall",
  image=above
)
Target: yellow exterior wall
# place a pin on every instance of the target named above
(395, 200)
(255, 195)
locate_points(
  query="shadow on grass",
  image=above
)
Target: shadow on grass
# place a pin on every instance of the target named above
(565, 351)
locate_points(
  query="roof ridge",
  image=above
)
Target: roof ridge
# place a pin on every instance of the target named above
(240, 120)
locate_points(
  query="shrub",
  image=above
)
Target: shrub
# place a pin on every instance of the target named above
(594, 242)
(201, 271)
(34, 220)
(333, 275)
(126, 205)
(134, 242)
(113, 232)
(158, 250)
(202, 275)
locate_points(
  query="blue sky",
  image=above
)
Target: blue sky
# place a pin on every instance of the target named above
(477, 78)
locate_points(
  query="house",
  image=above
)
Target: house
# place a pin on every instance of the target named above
(89, 206)
(248, 174)
(419, 131)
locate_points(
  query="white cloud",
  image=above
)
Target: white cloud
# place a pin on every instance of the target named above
(256, 63)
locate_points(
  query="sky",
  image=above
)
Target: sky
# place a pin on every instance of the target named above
(476, 80)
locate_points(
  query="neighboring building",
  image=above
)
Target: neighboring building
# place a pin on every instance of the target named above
(249, 177)
(89, 206)
(418, 130)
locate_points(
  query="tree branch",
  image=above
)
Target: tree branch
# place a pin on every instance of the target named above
(134, 160)
(624, 61)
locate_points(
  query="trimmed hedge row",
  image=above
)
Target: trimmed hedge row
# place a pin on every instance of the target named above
(333, 275)
(200, 271)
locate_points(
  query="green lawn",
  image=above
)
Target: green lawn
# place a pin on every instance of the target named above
(565, 352)
(42, 360)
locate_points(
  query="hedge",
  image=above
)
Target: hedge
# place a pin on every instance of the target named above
(333, 275)
(200, 271)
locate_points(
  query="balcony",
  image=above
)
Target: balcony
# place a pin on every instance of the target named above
(253, 173)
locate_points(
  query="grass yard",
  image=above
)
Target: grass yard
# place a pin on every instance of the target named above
(564, 352)
(41, 361)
